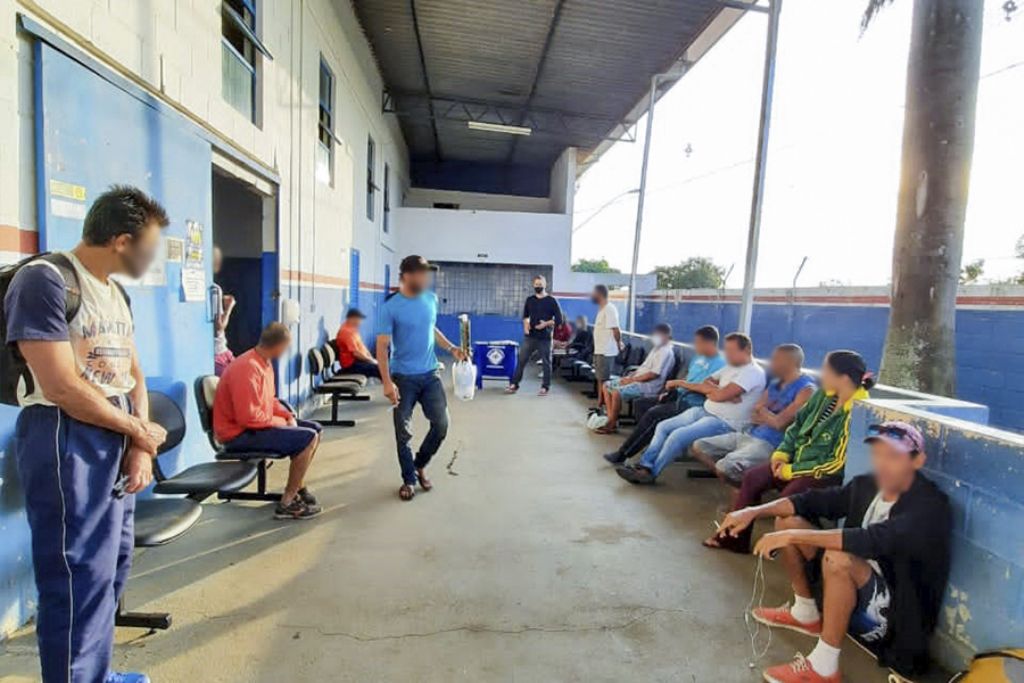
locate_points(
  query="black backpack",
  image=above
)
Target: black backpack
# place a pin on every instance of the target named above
(13, 367)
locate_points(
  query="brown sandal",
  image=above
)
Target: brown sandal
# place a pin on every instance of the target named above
(407, 492)
(425, 483)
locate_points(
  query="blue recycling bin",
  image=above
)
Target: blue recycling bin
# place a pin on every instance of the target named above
(495, 359)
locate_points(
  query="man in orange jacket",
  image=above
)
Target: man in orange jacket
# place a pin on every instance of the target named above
(248, 417)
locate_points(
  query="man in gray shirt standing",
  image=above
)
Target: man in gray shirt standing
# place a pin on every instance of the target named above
(541, 314)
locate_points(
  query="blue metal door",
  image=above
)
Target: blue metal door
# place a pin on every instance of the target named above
(91, 134)
(353, 279)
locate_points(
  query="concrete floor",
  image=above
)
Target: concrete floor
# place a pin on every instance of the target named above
(535, 563)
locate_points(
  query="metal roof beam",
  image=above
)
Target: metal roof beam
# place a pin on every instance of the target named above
(426, 76)
(552, 25)
(539, 119)
(745, 6)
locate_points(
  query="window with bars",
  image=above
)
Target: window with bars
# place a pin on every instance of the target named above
(241, 49)
(325, 141)
(387, 198)
(485, 288)
(371, 186)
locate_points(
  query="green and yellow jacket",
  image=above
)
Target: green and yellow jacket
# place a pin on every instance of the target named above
(817, 448)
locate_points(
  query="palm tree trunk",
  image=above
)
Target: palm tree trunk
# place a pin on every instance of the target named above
(938, 142)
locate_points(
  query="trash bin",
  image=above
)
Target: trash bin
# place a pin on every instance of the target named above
(495, 359)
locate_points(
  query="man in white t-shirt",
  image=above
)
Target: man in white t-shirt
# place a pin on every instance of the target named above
(730, 396)
(607, 335)
(647, 381)
(84, 442)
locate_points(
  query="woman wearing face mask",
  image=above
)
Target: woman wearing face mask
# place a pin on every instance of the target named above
(541, 314)
(647, 380)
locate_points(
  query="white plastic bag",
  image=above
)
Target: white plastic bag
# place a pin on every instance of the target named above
(464, 380)
(596, 421)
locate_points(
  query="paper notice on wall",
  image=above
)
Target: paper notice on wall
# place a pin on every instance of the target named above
(65, 208)
(193, 284)
(175, 250)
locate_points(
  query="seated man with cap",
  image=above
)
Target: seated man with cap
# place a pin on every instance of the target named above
(353, 355)
(881, 577)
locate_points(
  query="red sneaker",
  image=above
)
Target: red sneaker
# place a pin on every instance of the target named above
(781, 617)
(798, 671)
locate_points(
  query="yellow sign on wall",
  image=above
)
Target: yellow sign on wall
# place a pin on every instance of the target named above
(59, 188)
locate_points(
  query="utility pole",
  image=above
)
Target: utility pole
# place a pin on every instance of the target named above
(676, 73)
(760, 165)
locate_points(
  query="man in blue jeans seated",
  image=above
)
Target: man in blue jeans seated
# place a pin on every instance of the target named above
(730, 455)
(730, 396)
(408, 368)
(674, 400)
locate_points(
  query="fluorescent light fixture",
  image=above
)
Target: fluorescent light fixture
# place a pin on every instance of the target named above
(499, 128)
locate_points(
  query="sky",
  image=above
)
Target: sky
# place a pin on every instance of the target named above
(834, 155)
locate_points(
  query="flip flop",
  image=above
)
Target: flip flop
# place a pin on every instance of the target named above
(607, 430)
(542, 392)
(407, 492)
(511, 389)
(425, 483)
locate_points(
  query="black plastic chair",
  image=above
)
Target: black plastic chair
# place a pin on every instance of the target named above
(339, 387)
(205, 390)
(159, 521)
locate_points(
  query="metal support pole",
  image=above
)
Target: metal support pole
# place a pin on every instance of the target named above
(757, 202)
(640, 203)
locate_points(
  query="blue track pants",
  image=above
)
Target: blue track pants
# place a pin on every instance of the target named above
(82, 539)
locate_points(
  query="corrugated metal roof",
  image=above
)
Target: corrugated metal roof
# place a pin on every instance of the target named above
(579, 67)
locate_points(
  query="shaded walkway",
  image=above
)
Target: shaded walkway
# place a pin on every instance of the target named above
(535, 563)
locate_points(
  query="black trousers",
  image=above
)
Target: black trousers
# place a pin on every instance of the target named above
(644, 430)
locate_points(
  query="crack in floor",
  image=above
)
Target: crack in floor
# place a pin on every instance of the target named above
(647, 612)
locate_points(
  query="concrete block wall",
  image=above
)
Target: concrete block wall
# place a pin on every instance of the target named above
(982, 471)
(172, 49)
(989, 332)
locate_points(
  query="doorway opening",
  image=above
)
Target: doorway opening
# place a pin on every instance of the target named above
(245, 233)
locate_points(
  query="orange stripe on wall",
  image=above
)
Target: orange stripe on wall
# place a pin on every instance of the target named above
(18, 240)
(314, 278)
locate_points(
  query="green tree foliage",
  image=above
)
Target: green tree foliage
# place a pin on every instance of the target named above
(697, 272)
(970, 272)
(585, 265)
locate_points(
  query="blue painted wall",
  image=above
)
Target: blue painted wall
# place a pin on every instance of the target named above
(81, 117)
(982, 472)
(990, 343)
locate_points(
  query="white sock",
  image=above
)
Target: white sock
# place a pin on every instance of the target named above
(824, 658)
(805, 610)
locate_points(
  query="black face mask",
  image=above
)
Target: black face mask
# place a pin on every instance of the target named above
(539, 290)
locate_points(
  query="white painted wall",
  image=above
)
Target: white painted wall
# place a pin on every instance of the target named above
(563, 182)
(425, 198)
(489, 237)
(172, 48)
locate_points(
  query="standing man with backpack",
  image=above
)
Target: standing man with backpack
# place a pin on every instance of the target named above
(84, 444)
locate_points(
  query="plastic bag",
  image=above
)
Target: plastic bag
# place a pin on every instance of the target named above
(464, 380)
(596, 421)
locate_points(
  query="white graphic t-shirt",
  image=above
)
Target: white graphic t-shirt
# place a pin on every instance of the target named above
(101, 333)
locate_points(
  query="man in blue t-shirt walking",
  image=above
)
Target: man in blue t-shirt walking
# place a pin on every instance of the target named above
(408, 368)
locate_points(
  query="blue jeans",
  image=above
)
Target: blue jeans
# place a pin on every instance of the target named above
(673, 436)
(428, 391)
